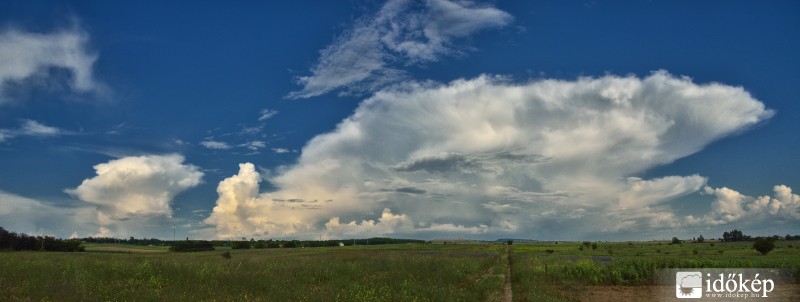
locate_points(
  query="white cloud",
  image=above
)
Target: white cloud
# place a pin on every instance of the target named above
(490, 157)
(236, 203)
(280, 150)
(731, 206)
(388, 223)
(31, 128)
(34, 128)
(401, 33)
(254, 145)
(642, 193)
(266, 114)
(26, 55)
(210, 144)
(134, 189)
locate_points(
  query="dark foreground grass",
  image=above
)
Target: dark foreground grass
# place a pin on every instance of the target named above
(386, 273)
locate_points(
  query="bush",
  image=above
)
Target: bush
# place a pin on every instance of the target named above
(675, 240)
(191, 246)
(260, 245)
(594, 246)
(549, 251)
(240, 245)
(510, 242)
(764, 245)
(226, 255)
(700, 239)
(695, 251)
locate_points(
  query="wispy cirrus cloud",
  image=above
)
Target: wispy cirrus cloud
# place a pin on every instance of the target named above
(371, 54)
(266, 114)
(32, 128)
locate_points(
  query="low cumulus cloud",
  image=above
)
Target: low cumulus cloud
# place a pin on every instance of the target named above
(731, 206)
(491, 157)
(130, 191)
(369, 56)
(28, 57)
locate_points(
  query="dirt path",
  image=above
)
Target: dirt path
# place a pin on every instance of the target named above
(508, 295)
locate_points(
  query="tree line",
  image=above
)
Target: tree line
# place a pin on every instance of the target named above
(24, 242)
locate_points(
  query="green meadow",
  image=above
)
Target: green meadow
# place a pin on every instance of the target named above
(401, 272)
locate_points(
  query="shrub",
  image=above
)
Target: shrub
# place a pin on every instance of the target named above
(675, 240)
(700, 239)
(594, 246)
(226, 255)
(510, 242)
(764, 245)
(695, 251)
(549, 251)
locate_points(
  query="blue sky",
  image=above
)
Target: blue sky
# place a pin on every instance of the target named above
(531, 119)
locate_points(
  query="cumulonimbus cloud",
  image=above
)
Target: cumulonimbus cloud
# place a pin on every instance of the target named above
(490, 156)
(136, 188)
(401, 33)
(25, 55)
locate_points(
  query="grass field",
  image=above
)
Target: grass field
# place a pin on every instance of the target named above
(405, 272)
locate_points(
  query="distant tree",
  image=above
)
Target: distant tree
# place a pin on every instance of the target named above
(734, 235)
(675, 240)
(594, 246)
(764, 245)
(700, 239)
(510, 242)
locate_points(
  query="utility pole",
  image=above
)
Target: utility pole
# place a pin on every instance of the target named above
(173, 232)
